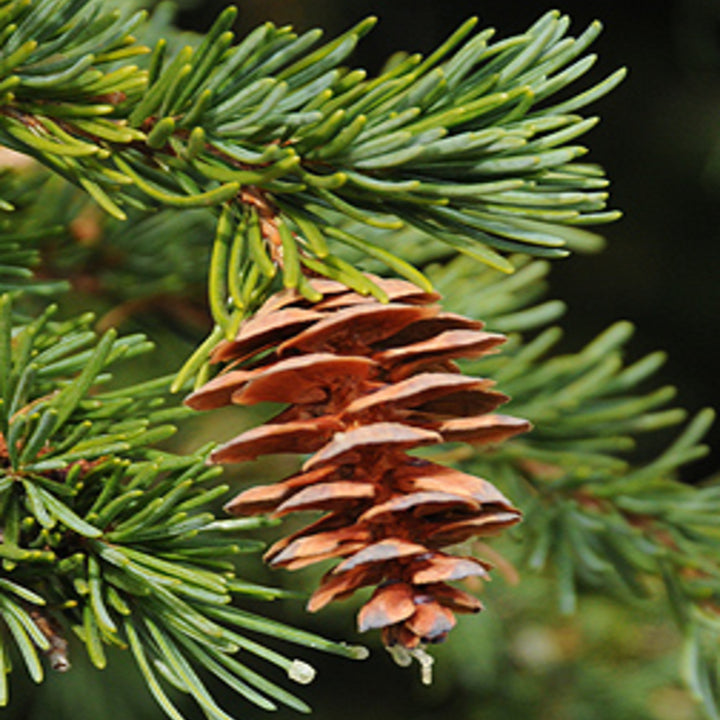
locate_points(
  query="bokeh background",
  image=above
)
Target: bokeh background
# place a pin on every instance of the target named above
(659, 141)
(660, 144)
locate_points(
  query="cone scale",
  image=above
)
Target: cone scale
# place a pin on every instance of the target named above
(365, 383)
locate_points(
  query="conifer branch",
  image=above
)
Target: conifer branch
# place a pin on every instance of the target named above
(594, 518)
(107, 538)
(466, 145)
(298, 169)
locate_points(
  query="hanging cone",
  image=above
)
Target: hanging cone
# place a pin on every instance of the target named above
(365, 382)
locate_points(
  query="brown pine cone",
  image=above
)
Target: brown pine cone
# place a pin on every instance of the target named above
(365, 382)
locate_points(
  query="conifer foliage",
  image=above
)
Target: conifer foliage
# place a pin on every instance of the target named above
(356, 231)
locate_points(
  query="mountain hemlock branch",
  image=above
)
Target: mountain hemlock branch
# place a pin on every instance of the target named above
(327, 215)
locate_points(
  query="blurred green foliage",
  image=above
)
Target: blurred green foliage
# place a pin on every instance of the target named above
(659, 141)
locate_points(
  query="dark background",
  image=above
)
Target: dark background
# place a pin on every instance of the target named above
(659, 141)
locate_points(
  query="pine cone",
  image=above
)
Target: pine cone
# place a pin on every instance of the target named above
(365, 383)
